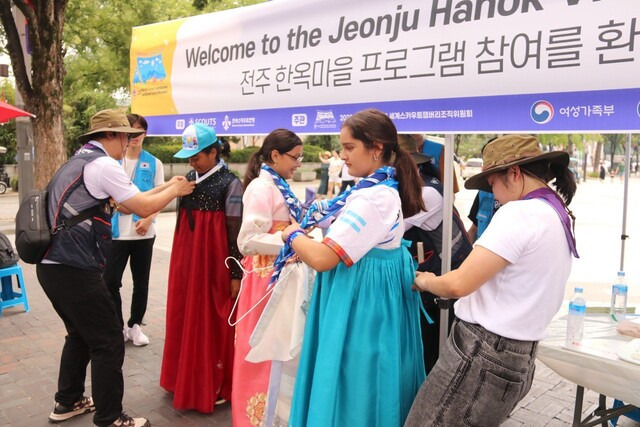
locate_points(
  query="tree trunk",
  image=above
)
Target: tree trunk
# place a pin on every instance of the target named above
(50, 151)
(48, 131)
(41, 87)
(596, 161)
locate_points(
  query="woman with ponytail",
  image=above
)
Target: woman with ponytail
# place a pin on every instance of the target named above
(263, 337)
(509, 288)
(361, 362)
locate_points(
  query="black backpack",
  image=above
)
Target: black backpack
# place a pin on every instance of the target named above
(8, 256)
(33, 232)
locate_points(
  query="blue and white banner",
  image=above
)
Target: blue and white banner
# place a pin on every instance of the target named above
(432, 65)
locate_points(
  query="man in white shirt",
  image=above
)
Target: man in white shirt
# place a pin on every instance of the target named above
(71, 271)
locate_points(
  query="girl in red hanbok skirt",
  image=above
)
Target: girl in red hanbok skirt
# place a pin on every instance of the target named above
(197, 363)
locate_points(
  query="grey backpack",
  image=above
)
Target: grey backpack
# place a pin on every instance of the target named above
(8, 256)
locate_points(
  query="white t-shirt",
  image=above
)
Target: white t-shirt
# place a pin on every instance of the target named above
(105, 177)
(335, 166)
(371, 218)
(345, 173)
(431, 218)
(521, 300)
(125, 222)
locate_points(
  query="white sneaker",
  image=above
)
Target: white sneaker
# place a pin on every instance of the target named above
(136, 335)
(125, 420)
(125, 333)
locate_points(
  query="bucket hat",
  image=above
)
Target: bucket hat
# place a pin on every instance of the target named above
(411, 145)
(511, 150)
(109, 121)
(195, 138)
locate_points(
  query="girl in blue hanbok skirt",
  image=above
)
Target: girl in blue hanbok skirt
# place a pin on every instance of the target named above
(361, 361)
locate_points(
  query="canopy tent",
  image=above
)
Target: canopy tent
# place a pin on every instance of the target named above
(534, 66)
(8, 112)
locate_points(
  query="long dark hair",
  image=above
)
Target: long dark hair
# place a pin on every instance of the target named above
(282, 140)
(373, 126)
(565, 181)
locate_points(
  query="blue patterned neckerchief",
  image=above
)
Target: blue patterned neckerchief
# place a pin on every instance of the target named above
(323, 209)
(292, 202)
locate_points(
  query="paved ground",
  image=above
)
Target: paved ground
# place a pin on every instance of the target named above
(30, 343)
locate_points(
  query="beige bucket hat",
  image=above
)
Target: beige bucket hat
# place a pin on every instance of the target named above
(110, 121)
(510, 150)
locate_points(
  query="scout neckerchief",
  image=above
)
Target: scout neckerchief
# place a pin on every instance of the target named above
(290, 199)
(322, 209)
(553, 200)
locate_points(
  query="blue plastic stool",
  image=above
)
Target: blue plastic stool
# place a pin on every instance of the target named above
(8, 296)
(634, 415)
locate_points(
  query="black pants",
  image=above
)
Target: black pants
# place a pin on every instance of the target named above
(140, 252)
(81, 299)
(347, 184)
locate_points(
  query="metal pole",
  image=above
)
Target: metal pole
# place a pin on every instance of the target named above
(447, 217)
(627, 164)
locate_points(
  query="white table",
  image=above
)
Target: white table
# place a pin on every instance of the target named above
(596, 366)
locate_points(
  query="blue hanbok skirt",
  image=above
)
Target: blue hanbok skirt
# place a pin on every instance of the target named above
(362, 360)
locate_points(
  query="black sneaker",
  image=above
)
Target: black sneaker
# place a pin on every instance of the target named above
(62, 413)
(125, 420)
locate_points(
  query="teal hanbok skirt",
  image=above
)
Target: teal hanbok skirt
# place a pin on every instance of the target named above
(362, 360)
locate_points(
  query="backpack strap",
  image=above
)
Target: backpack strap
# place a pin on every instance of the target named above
(70, 222)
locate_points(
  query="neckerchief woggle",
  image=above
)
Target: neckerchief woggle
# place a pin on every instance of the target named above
(553, 200)
(323, 209)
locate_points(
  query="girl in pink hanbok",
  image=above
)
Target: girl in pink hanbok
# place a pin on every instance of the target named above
(266, 336)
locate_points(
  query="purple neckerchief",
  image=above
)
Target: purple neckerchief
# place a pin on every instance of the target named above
(556, 203)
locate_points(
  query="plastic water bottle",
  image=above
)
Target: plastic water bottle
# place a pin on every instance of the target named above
(619, 298)
(575, 321)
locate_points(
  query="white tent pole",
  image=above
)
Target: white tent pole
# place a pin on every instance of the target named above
(627, 164)
(447, 215)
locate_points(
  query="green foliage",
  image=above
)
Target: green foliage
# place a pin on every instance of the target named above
(242, 155)
(469, 146)
(311, 152)
(326, 142)
(14, 183)
(8, 130)
(165, 152)
(8, 140)
(97, 36)
(78, 112)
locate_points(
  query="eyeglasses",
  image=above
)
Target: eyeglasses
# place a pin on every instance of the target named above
(297, 159)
